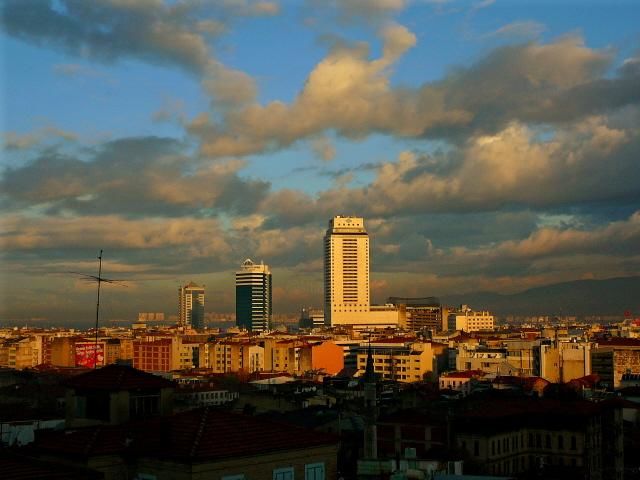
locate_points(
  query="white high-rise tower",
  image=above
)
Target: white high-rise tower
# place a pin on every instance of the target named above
(346, 270)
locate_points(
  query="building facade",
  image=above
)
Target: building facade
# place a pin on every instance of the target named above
(346, 269)
(253, 297)
(191, 306)
(467, 320)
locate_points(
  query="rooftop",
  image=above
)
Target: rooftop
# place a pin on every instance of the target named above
(117, 377)
(196, 435)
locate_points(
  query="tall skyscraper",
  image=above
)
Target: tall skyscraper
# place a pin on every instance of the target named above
(346, 270)
(191, 306)
(253, 297)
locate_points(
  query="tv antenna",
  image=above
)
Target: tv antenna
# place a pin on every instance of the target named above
(99, 279)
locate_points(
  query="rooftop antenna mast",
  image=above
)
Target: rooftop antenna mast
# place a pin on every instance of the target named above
(99, 279)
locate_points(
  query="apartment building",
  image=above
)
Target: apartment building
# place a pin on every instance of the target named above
(467, 320)
(403, 360)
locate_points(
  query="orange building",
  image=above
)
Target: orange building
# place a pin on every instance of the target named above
(325, 356)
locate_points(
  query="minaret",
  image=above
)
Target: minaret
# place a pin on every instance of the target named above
(371, 410)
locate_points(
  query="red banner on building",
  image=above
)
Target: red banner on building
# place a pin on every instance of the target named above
(86, 354)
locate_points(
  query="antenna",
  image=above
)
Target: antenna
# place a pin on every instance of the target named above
(99, 279)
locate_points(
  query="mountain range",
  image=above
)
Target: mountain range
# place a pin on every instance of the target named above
(613, 296)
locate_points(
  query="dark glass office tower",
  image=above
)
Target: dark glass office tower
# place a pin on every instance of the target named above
(253, 297)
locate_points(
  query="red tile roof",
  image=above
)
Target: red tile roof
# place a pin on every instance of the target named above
(196, 435)
(117, 377)
(213, 434)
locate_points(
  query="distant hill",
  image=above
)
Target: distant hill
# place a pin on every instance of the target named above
(612, 296)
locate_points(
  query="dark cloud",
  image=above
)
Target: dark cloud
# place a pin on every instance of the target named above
(105, 30)
(134, 177)
(155, 31)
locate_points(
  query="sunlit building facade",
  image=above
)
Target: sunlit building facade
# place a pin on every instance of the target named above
(346, 269)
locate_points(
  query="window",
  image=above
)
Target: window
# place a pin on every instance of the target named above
(476, 448)
(233, 477)
(283, 473)
(560, 442)
(314, 471)
(573, 442)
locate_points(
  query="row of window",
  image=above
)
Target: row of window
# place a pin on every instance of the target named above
(312, 471)
(534, 440)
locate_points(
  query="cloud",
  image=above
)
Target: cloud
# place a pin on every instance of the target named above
(228, 87)
(369, 9)
(615, 245)
(75, 70)
(522, 29)
(107, 30)
(112, 231)
(136, 176)
(342, 92)
(351, 94)
(16, 141)
(323, 148)
(151, 31)
(591, 162)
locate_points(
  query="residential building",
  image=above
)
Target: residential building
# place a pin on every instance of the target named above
(612, 358)
(492, 361)
(561, 362)
(203, 394)
(462, 382)
(153, 356)
(403, 360)
(196, 444)
(115, 394)
(18, 353)
(191, 306)
(549, 438)
(253, 297)
(468, 320)
(323, 356)
(234, 356)
(418, 314)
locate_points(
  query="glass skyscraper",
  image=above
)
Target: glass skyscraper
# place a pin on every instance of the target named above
(253, 297)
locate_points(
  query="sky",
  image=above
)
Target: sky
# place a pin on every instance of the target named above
(489, 146)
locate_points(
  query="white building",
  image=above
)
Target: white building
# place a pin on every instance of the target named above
(191, 306)
(253, 297)
(469, 321)
(346, 277)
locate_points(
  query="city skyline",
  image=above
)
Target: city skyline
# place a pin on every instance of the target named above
(490, 146)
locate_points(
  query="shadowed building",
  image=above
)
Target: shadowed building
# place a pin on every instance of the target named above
(116, 394)
(197, 444)
(419, 313)
(253, 297)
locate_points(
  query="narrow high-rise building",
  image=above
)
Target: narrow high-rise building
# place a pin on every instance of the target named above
(191, 306)
(346, 270)
(253, 297)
